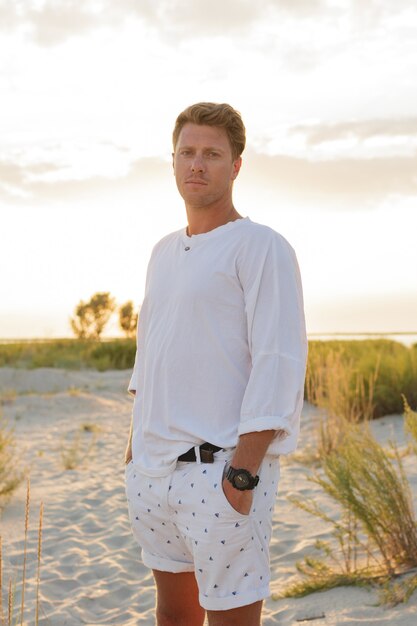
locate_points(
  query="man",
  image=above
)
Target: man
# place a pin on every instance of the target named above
(218, 383)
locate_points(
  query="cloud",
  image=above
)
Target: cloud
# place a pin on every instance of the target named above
(342, 182)
(14, 173)
(201, 18)
(346, 182)
(369, 13)
(48, 23)
(317, 134)
(11, 174)
(52, 22)
(56, 22)
(29, 183)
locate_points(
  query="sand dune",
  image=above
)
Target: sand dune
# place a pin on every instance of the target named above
(91, 573)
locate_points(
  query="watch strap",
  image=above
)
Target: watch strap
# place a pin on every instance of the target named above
(241, 478)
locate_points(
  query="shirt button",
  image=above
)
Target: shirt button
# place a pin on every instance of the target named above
(187, 248)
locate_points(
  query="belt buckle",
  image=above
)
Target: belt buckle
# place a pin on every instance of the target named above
(207, 456)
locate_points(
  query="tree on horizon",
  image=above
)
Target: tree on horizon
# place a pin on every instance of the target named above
(91, 317)
(128, 319)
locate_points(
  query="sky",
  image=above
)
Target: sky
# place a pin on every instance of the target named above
(89, 94)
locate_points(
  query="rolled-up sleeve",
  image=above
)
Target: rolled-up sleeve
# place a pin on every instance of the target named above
(277, 341)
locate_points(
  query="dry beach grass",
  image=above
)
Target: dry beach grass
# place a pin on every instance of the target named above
(16, 612)
(91, 572)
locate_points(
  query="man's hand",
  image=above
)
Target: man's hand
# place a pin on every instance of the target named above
(128, 454)
(241, 501)
(250, 451)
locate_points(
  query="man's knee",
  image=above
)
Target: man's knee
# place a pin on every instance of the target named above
(166, 617)
(177, 600)
(249, 615)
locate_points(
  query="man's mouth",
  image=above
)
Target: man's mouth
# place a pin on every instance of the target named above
(194, 181)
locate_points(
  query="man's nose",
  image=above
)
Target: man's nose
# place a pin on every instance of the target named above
(197, 164)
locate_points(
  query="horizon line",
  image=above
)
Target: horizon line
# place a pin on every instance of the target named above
(309, 334)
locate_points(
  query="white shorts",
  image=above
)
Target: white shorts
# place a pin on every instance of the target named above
(184, 523)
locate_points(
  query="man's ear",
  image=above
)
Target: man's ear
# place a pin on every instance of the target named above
(173, 166)
(237, 164)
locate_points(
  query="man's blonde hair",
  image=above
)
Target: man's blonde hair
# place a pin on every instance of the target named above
(213, 114)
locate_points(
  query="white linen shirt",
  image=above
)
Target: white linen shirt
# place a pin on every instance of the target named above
(221, 344)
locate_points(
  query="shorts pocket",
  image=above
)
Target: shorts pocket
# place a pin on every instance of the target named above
(226, 502)
(128, 470)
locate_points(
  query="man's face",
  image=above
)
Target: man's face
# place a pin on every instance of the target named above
(204, 167)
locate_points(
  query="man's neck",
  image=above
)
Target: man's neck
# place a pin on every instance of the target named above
(203, 220)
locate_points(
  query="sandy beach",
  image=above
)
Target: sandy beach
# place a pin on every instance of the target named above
(91, 572)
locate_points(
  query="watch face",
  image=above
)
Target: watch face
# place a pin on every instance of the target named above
(241, 480)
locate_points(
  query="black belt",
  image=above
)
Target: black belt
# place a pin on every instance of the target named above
(207, 451)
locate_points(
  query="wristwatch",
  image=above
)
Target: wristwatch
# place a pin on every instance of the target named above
(241, 479)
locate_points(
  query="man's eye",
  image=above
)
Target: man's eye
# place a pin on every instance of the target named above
(184, 152)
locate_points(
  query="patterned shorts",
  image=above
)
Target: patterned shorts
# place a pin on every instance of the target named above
(184, 523)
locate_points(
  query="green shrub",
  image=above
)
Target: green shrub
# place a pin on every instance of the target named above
(395, 364)
(69, 354)
(376, 532)
(117, 355)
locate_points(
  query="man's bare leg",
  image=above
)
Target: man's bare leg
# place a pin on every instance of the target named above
(177, 600)
(249, 615)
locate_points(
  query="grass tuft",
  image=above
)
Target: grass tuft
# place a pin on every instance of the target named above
(1, 582)
(10, 591)
(75, 449)
(322, 579)
(375, 533)
(27, 508)
(10, 478)
(7, 396)
(89, 427)
(345, 397)
(393, 593)
(410, 421)
(38, 575)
